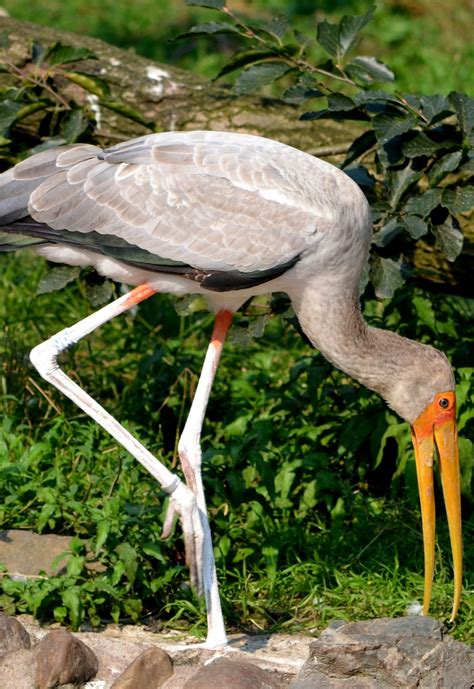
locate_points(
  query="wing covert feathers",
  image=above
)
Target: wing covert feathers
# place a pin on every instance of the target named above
(211, 200)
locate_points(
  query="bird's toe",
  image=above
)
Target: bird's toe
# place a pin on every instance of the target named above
(183, 506)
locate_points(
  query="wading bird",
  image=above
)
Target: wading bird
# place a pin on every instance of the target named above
(229, 216)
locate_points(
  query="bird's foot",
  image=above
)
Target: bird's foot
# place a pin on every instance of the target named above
(183, 505)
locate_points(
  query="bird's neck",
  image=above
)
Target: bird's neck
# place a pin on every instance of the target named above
(331, 318)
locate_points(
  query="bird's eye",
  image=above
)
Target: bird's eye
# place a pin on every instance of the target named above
(444, 403)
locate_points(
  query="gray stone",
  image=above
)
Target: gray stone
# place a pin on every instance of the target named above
(232, 674)
(62, 659)
(26, 554)
(405, 653)
(151, 669)
(13, 635)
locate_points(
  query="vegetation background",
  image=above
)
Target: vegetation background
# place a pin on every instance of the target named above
(310, 478)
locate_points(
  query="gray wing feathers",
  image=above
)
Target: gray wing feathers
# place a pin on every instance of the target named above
(18, 184)
(201, 198)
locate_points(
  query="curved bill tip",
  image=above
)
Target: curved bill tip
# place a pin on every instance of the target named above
(436, 426)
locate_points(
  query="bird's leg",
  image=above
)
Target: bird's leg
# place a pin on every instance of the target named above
(190, 455)
(44, 358)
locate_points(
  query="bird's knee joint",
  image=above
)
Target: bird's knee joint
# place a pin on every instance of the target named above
(44, 356)
(183, 496)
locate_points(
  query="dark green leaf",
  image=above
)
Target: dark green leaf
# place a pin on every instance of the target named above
(369, 69)
(390, 154)
(243, 58)
(259, 75)
(354, 432)
(458, 199)
(327, 35)
(8, 113)
(466, 453)
(103, 530)
(133, 607)
(212, 4)
(57, 278)
(424, 311)
(415, 226)
(277, 26)
(73, 125)
(468, 167)
(154, 550)
(388, 126)
(208, 28)
(445, 165)
(449, 238)
(355, 114)
(420, 145)
(59, 54)
(100, 294)
(338, 101)
(464, 109)
(338, 39)
(360, 175)
(359, 146)
(383, 97)
(398, 181)
(349, 27)
(71, 598)
(386, 276)
(128, 555)
(302, 91)
(389, 231)
(435, 108)
(302, 39)
(424, 203)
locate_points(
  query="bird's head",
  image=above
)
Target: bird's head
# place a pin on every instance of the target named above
(423, 394)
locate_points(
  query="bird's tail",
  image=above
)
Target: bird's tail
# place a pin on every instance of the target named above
(16, 186)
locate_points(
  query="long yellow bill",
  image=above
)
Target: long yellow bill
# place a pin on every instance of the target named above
(437, 426)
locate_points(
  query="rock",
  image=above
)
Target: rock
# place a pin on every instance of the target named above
(150, 669)
(61, 658)
(232, 674)
(405, 653)
(25, 554)
(13, 635)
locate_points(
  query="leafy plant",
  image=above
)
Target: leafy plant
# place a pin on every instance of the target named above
(56, 90)
(414, 156)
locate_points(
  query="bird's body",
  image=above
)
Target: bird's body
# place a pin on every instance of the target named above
(228, 216)
(229, 210)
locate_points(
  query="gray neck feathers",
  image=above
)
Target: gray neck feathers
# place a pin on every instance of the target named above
(398, 369)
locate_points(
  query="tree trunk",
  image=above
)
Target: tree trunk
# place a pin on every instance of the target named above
(177, 99)
(174, 98)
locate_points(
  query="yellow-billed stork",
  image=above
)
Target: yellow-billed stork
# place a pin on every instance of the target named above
(229, 216)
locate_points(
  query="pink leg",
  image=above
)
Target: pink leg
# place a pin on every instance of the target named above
(183, 499)
(190, 455)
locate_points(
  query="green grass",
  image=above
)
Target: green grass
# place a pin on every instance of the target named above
(307, 526)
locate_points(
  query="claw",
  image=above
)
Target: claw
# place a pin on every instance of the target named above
(183, 506)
